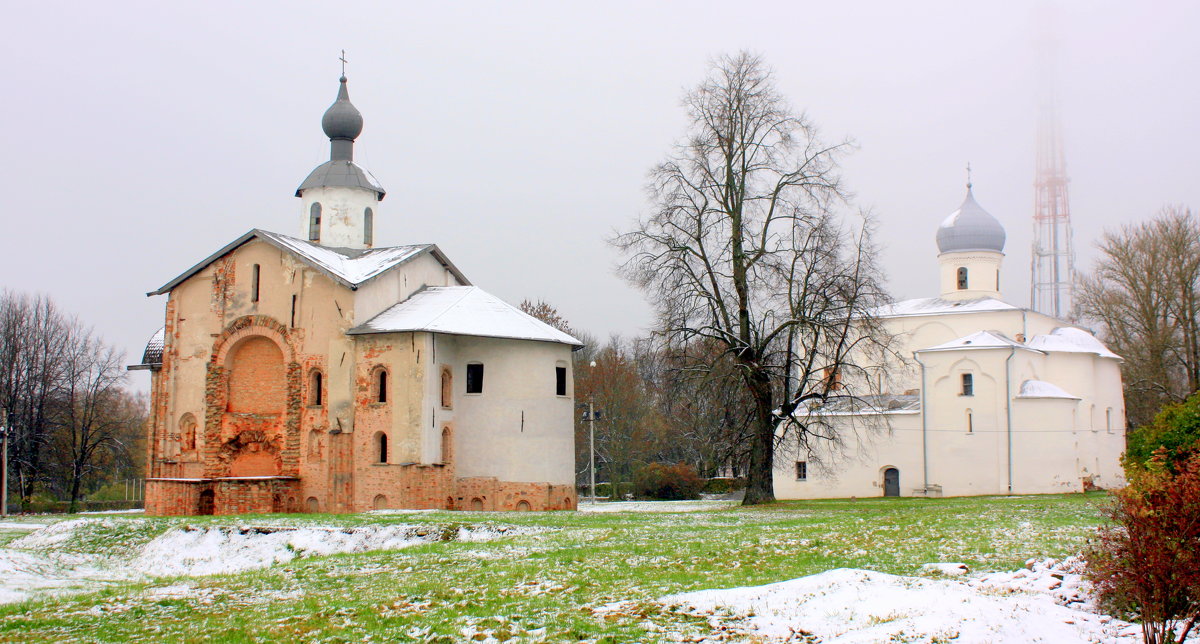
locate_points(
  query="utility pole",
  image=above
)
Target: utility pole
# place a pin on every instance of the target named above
(3, 462)
(592, 441)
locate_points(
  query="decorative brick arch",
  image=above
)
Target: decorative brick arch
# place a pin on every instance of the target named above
(216, 456)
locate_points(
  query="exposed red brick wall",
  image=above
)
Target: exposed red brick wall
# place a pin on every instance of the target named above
(257, 379)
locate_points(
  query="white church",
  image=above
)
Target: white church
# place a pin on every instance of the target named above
(994, 398)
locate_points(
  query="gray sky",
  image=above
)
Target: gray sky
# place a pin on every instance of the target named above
(517, 136)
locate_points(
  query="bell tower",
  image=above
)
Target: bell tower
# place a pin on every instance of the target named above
(340, 198)
(971, 248)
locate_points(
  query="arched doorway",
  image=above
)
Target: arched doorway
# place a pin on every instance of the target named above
(891, 482)
(207, 502)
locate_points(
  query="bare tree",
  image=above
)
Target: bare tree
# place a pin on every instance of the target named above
(1144, 295)
(744, 250)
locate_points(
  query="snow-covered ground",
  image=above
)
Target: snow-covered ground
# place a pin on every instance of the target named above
(1046, 602)
(38, 563)
(655, 506)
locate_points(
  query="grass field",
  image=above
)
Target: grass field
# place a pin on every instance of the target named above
(541, 586)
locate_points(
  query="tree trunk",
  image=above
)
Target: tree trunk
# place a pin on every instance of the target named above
(760, 487)
(76, 481)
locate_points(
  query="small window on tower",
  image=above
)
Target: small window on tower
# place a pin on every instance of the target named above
(475, 378)
(560, 381)
(368, 227)
(380, 385)
(962, 278)
(968, 384)
(254, 275)
(315, 397)
(997, 279)
(314, 222)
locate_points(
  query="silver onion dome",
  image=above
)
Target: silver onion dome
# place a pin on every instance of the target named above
(970, 228)
(342, 120)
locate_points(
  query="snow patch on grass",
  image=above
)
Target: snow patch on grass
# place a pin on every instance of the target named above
(857, 606)
(656, 506)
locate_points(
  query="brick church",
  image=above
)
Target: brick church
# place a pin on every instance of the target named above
(324, 374)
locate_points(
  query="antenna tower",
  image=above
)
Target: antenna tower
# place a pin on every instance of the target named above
(1052, 274)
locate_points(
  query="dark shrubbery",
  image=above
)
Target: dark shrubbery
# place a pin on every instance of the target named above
(668, 482)
(1176, 429)
(723, 485)
(1146, 563)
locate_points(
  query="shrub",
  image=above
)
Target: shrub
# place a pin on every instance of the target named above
(1146, 563)
(723, 485)
(669, 482)
(1176, 429)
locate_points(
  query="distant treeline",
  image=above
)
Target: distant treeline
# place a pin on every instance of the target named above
(73, 426)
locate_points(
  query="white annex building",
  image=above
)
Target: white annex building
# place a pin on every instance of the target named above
(323, 373)
(997, 399)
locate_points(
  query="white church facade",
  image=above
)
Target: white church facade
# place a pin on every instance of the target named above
(992, 399)
(322, 373)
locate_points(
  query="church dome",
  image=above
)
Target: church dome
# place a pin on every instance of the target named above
(342, 120)
(970, 228)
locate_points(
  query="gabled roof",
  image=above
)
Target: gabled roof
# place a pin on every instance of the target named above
(1071, 340)
(978, 340)
(866, 405)
(938, 306)
(347, 266)
(462, 310)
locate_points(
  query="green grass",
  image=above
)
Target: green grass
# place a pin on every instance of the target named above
(541, 587)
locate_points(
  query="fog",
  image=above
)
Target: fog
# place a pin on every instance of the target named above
(517, 136)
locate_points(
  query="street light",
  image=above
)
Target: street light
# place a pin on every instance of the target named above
(590, 416)
(3, 462)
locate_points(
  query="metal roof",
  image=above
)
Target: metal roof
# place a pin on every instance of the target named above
(970, 228)
(341, 173)
(152, 356)
(979, 340)
(347, 266)
(462, 310)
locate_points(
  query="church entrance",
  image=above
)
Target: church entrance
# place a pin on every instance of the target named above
(891, 482)
(207, 504)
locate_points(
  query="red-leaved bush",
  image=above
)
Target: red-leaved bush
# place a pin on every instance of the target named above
(1146, 562)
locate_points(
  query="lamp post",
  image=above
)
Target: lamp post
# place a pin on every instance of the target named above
(591, 418)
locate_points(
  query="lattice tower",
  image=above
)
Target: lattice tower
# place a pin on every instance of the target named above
(1052, 275)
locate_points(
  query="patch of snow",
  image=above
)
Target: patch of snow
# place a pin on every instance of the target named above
(462, 310)
(22, 526)
(133, 511)
(1042, 389)
(224, 549)
(398, 511)
(656, 506)
(1071, 340)
(354, 267)
(977, 340)
(858, 606)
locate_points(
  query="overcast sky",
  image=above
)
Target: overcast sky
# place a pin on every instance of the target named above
(139, 138)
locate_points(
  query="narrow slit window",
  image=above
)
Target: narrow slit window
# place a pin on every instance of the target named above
(314, 388)
(293, 310)
(560, 381)
(968, 384)
(383, 448)
(962, 278)
(475, 378)
(447, 388)
(801, 470)
(255, 274)
(381, 386)
(970, 422)
(314, 222)
(368, 226)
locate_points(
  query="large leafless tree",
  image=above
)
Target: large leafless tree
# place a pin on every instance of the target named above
(745, 250)
(1144, 295)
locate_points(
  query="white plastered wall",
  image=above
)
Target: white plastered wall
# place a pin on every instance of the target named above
(342, 214)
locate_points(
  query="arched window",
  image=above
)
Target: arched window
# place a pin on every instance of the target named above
(447, 445)
(381, 443)
(447, 388)
(315, 388)
(254, 275)
(970, 422)
(380, 385)
(187, 432)
(1108, 419)
(997, 279)
(962, 278)
(368, 226)
(314, 222)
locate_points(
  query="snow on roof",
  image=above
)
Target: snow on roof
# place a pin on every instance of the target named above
(938, 306)
(1071, 340)
(1042, 389)
(869, 404)
(462, 310)
(349, 266)
(977, 340)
